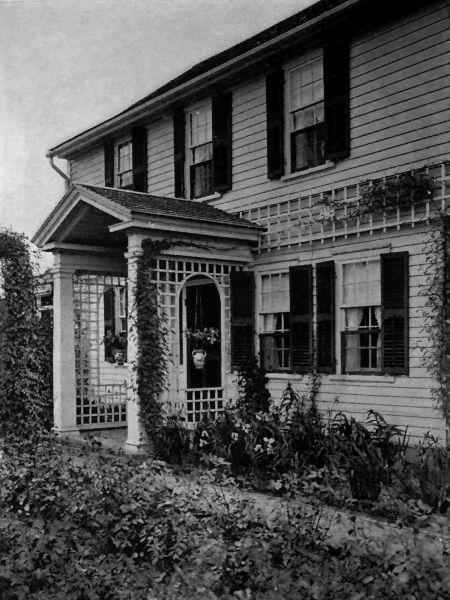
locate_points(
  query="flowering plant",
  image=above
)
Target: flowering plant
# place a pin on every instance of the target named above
(202, 338)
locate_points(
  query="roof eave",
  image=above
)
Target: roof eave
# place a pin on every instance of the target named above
(179, 93)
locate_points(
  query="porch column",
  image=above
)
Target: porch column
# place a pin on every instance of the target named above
(136, 437)
(64, 378)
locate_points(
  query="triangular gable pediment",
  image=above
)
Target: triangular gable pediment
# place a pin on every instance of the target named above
(81, 216)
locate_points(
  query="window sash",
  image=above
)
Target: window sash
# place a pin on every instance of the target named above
(275, 351)
(125, 164)
(202, 179)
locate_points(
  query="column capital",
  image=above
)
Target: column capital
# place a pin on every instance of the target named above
(133, 253)
(63, 271)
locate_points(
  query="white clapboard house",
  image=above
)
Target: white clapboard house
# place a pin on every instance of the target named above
(277, 171)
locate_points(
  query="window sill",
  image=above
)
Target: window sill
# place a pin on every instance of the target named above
(209, 198)
(284, 375)
(300, 174)
(367, 378)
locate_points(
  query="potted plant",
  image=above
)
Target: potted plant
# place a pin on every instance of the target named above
(201, 340)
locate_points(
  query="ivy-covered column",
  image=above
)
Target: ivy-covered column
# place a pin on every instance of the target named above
(136, 435)
(64, 377)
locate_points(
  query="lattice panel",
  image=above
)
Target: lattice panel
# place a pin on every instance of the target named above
(101, 386)
(203, 402)
(297, 220)
(170, 275)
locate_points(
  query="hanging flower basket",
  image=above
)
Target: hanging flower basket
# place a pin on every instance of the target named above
(201, 340)
(199, 357)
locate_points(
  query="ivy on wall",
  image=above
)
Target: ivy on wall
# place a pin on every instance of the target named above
(151, 325)
(25, 351)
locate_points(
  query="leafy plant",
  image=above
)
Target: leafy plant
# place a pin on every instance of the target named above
(434, 473)
(203, 338)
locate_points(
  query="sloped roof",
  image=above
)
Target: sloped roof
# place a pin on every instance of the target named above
(147, 204)
(203, 69)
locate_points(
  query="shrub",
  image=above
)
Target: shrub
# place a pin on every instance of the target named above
(434, 473)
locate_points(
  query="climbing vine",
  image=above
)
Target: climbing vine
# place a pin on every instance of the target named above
(436, 328)
(151, 326)
(398, 191)
(25, 358)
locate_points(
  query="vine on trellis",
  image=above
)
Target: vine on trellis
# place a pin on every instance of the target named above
(397, 191)
(436, 328)
(25, 351)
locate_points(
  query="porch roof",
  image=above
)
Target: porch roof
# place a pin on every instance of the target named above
(92, 215)
(148, 204)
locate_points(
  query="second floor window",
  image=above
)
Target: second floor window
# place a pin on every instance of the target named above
(125, 164)
(201, 151)
(306, 115)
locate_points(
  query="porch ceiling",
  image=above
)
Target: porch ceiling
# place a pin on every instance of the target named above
(91, 215)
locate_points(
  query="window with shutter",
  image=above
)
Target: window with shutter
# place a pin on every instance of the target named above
(206, 160)
(126, 161)
(242, 292)
(317, 108)
(301, 318)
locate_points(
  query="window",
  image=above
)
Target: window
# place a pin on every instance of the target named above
(307, 115)
(275, 317)
(307, 107)
(361, 317)
(126, 161)
(115, 323)
(202, 148)
(125, 164)
(200, 151)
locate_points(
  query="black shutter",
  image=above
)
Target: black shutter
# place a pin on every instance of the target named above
(301, 319)
(242, 284)
(325, 285)
(336, 73)
(109, 164)
(395, 321)
(275, 124)
(221, 131)
(139, 145)
(179, 152)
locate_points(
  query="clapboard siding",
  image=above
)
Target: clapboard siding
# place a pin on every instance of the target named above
(401, 400)
(89, 167)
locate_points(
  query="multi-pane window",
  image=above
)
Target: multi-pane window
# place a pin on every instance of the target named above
(275, 336)
(201, 151)
(306, 115)
(125, 164)
(361, 308)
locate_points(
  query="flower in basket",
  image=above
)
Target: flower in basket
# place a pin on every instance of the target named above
(203, 338)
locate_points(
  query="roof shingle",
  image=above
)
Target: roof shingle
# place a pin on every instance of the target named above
(138, 202)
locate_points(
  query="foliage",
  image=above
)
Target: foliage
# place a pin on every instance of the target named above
(103, 527)
(252, 382)
(151, 327)
(434, 473)
(397, 191)
(25, 352)
(203, 338)
(436, 313)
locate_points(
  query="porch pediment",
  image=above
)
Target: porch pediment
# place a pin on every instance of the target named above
(91, 215)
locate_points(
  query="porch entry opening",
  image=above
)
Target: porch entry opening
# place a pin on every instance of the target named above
(202, 303)
(200, 310)
(100, 321)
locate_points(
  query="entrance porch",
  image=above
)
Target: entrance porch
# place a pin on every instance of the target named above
(96, 235)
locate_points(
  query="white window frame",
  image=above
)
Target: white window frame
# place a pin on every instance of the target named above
(292, 66)
(372, 256)
(204, 105)
(118, 174)
(262, 314)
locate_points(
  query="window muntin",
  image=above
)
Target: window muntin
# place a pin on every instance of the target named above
(361, 317)
(275, 322)
(125, 164)
(201, 151)
(307, 115)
